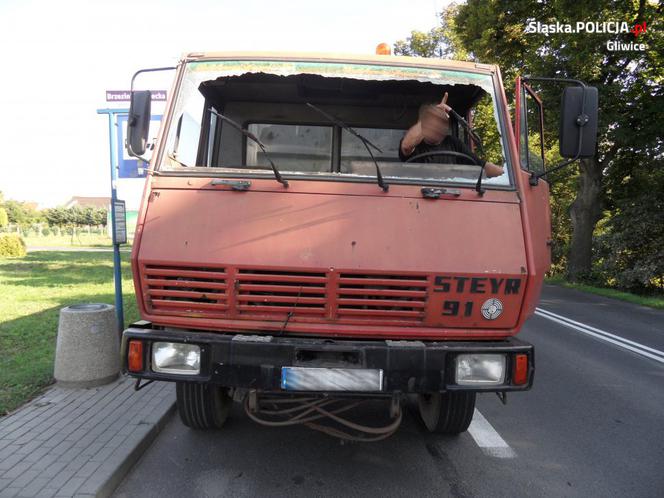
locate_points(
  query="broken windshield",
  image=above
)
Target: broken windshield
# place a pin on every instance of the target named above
(389, 106)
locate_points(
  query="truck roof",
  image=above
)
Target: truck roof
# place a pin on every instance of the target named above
(396, 60)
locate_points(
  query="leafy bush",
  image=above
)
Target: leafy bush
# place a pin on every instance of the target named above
(46, 231)
(11, 245)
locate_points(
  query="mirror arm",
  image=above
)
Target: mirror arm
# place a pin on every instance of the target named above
(534, 179)
(151, 70)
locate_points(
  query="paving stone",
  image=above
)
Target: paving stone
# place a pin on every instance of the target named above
(34, 487)
(40, 459)
(16, 470)
(25, 478)
(88, 469)
(9, 492)
(70, 487)
(28, 447)
(7, 451)
(61, 478)
(46, 493)
(5, 442)
(55, 468)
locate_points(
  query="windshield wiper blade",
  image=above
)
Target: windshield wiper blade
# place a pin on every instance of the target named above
(379, 177)
(171, 156)
(255, 139)
(478, 142)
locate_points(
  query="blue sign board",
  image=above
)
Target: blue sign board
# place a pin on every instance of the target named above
(130, 167)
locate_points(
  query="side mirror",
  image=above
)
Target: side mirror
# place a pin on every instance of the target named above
(138, 123)
(578, 122)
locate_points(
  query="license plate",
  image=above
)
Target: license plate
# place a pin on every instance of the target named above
(331, 379)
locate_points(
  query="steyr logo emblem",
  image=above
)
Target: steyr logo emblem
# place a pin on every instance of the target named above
(492, 308)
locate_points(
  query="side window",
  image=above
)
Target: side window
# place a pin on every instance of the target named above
(302, 148)
(354, 151)
(531, 124)
(188, 131)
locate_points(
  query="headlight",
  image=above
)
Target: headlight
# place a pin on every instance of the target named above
(480, 369)
(176, 357)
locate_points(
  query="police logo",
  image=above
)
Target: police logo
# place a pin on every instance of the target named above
(492, 308)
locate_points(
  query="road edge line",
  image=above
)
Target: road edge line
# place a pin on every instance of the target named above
(637, 348)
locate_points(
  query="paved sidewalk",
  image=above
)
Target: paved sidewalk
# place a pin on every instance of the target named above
(80, 442)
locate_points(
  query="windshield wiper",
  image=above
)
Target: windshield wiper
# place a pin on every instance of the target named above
(255, 139)
(365, 141)
(478, 142)
(171, 156)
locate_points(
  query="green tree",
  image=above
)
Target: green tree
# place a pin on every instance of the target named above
(631, 110)
(494, 32)
(440, 41)
(20, 212)
(4, 219)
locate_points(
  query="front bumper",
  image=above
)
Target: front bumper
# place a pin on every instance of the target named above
(255, 361)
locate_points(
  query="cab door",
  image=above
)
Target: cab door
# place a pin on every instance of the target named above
(529, 133)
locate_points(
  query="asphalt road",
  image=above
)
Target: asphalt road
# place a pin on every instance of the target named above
(593, 425)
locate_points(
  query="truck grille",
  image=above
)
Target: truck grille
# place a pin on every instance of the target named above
(178, 290)
(273, 294)
(379, 297)
(270, 291)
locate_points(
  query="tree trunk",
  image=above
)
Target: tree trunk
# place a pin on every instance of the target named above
(585, 212)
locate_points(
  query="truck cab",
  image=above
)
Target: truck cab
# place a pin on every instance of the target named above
(285, 250)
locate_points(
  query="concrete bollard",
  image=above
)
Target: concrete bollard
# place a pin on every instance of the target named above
(87, 352)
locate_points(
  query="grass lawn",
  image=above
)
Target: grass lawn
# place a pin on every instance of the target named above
(32, 291)
(651, 301)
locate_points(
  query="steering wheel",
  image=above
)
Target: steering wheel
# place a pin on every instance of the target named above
(443, 153)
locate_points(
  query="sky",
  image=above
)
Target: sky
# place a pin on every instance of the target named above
(61, 56)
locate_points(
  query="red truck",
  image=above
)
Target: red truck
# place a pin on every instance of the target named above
(289, 256)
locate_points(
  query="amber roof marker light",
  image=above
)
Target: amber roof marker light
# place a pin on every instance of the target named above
(383, 49)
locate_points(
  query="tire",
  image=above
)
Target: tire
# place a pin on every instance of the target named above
(202, 406)
(448, 412)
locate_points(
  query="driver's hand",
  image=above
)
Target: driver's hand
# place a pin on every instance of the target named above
(444, 107)
(493, 170)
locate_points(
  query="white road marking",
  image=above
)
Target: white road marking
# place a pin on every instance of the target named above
(488, 439)
(635, 347)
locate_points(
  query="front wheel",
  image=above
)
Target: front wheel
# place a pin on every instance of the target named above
(447, 413)
(202, 406)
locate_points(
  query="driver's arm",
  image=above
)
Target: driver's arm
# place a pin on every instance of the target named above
(410, 140)
(492, 170)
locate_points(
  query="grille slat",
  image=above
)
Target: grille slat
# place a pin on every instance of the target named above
(374, 314)
(281, 310)
(281, 299)
(380, 303)
(242, 277)
(188, 294)
(190, 305)
(194, 284)
(177, 272)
